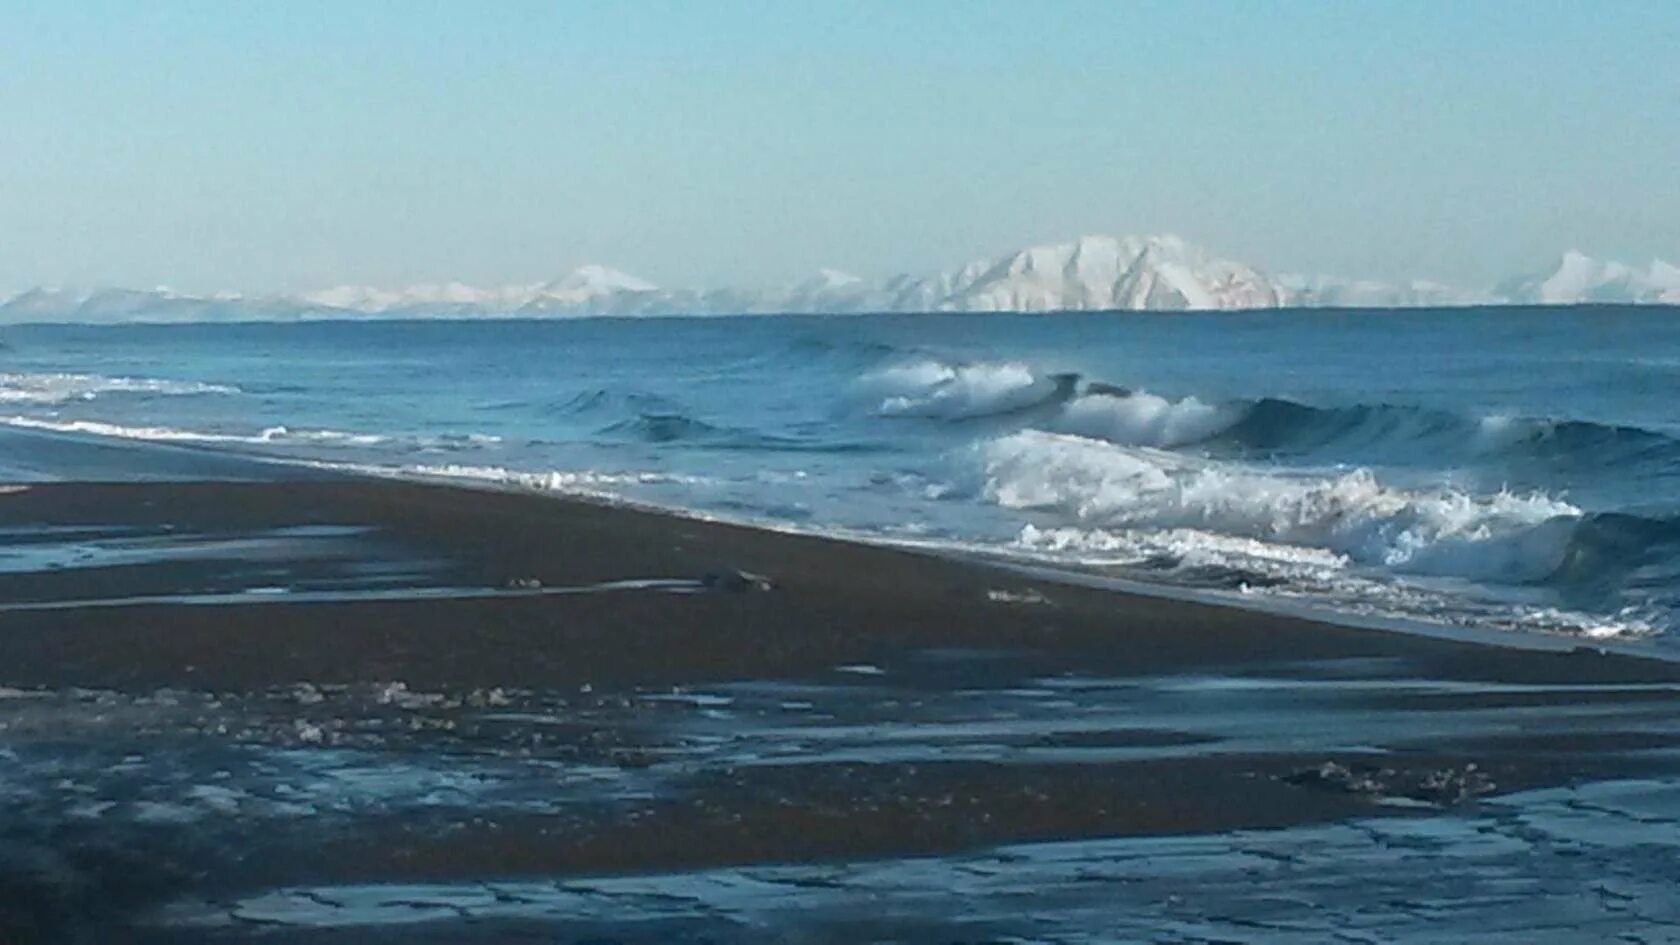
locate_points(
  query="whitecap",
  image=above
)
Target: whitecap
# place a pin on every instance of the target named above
(1503, 536)
(1144, 419)
(944, 391)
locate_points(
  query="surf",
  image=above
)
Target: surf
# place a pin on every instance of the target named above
(1510, 490)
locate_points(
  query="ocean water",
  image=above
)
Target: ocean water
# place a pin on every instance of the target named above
(1516, 470)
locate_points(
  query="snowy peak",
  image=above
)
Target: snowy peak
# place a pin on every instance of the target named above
(111, 306)
(1577, 277)
(1298, 291)
(1091, 273)
(580, 287)
(1106, 272)
(594, 280)
(369, 299)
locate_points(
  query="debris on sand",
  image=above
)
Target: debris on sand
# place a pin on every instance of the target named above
(1441, 787)
(1028, 596)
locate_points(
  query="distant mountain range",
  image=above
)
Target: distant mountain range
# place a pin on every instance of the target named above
(1137, 273)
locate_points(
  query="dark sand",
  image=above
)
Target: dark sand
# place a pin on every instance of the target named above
(182, 651)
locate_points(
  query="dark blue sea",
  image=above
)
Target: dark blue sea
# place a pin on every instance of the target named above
(1513, 470)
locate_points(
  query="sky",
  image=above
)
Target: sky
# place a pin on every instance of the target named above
(291, 146)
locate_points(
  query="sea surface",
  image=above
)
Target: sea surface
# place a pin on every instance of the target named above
(1511, 470)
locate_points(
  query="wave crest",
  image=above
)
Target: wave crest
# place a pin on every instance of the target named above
(937, 390)
(1143, 419)
(1446, 532)
(1379, 433)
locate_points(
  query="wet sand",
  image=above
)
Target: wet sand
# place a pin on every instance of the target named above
(272, 709)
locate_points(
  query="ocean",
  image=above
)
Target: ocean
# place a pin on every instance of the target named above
(1514, 470)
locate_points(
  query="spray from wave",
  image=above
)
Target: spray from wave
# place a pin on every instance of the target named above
(1219, 522)
(1143, 419)
(934, 389)
(1444, 532)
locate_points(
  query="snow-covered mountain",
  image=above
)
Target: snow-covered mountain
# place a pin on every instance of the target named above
(1101, 273)
(1155, 273)
(1297, 291)
(581, 289)
(114, 306)
(1577, 277)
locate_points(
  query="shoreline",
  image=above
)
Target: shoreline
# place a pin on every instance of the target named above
(759, 547)
(385, 681)
(219, 461)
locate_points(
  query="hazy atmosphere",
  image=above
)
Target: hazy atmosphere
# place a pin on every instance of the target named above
(819, 472)
(288, 147)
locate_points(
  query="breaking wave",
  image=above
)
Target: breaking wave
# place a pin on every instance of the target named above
(1144, 419)
(935, 389)
(1208, 560)
(1269, 426)
(1504, 536)
(1273, 425)
(1230, 523)
(1437, 509)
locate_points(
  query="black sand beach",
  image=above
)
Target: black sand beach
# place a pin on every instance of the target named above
(311, 708)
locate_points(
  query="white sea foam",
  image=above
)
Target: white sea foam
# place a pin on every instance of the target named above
(282, 434)
(151, 433)
(1342, 538)
(1499, 432)
(279, 435)
(58, 388)
(1186, 547)
(1312, 577)
(270, 436)
(953, 392)
(1503, 536)
(600, 484)
(958, 391)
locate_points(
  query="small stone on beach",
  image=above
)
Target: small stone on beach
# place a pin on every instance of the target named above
(732, 581)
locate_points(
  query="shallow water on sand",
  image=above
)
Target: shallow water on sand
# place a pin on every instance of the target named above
(1555, 866)
(191, 776)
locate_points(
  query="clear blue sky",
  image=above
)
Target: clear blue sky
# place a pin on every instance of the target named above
(268, 146)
